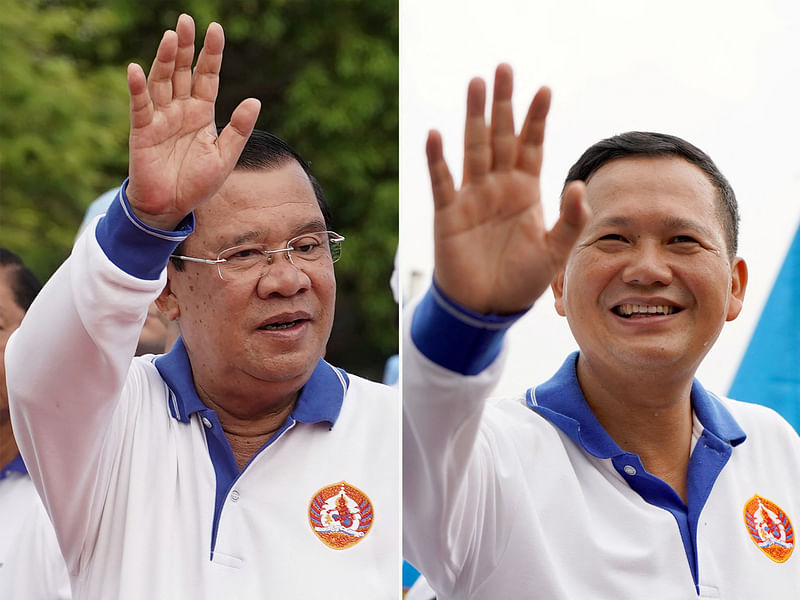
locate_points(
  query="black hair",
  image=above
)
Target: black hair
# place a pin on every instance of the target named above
(265, 150)
(24, 284)
(656, 145)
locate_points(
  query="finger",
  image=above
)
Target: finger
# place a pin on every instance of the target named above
(441, 179)
(574, 216)
(234, 136)
(477, 154)
(182, 75)
(531, 138)
(141, 107)
(159, 82)
(205, 81)
(502, 135)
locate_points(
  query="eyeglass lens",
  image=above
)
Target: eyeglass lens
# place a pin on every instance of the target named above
(241, 260)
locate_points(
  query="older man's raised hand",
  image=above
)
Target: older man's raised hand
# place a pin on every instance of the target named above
(177, 161)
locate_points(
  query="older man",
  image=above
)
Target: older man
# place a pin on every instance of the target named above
(620, 477)
(240, 464)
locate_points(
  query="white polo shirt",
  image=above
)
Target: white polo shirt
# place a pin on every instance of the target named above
(31, 565)
(529, 497)
(139, 479)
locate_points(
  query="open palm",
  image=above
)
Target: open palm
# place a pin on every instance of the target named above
(493, 252)
(176, 159)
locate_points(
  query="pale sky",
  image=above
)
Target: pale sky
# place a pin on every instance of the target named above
(721, 74)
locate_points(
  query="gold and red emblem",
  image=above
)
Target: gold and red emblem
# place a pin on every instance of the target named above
(769, 528)
(340, 515)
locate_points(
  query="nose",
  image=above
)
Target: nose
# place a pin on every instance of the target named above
(647, 265)
(282, 277)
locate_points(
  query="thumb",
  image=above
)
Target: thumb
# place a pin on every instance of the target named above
(575, 214)
(233, 138)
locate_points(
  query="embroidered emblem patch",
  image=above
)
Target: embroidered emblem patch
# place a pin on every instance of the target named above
(340, 515)
(769, 528)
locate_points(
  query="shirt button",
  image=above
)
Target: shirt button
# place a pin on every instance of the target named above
(207, 423)
(630, 470)
(234, 495)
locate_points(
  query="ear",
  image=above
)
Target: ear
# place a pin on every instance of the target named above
(738, 287)
(557, 285)
(167, 302)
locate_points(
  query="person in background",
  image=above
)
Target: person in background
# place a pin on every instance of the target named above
(31, 565)
(240, 464)
(621, 476)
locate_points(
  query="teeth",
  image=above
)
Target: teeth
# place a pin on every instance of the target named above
(273, 326)
(627, 310)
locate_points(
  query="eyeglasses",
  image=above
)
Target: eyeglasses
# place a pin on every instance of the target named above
(240, 262)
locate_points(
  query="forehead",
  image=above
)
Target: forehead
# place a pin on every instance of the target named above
(265, 203)
(670, 185)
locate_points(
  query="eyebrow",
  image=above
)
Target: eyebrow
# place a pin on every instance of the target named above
(671, 222)
(256, 234)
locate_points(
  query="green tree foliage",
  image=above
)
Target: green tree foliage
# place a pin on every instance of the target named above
(62, 127)
(325, 71)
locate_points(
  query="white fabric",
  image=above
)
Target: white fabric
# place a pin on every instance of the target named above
(31, 566)
(131, 489)
(421, 590)
(499, 503)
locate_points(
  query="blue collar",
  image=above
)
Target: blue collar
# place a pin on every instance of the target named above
(15, 466)
(561, 401)
(320, 399)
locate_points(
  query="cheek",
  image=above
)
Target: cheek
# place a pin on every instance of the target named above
(710, 286)
(586, 278)
(324, 285)
(200, 299)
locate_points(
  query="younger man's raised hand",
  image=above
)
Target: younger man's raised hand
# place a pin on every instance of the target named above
(493, 253)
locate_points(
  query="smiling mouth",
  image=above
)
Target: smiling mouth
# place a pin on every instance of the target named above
(283, 325)
(639, 311)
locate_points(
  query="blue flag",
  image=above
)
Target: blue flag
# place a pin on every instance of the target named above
(769, 373)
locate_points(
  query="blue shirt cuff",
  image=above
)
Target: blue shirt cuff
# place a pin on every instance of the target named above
(136, 248)
(457, 338)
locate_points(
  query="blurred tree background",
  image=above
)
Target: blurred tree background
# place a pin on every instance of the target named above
(326, 73)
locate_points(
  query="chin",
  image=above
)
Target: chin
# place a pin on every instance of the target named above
(286, 368)
(649, 358)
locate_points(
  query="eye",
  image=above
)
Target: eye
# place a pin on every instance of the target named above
(306, 246)
(612, 242)
(615, 237)
(683, 239)
(242, 253)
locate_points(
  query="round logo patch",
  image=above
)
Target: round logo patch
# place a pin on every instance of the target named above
(340, 515)
(769, 528)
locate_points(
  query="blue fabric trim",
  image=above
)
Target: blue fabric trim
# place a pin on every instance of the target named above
(136, 248)
(456, 338)
(345, 376)
(15, 466)
(176, 370)
(320, 400)
(561, 401)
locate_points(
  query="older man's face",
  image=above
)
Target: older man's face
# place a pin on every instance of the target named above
(271, 325)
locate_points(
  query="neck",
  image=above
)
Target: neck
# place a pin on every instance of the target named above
(249, 422)
(649, 416)
(8, 445)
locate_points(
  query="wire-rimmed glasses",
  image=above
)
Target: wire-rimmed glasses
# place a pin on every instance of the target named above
(243, 261)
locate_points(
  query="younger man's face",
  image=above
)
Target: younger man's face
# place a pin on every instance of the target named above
(649, 284)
